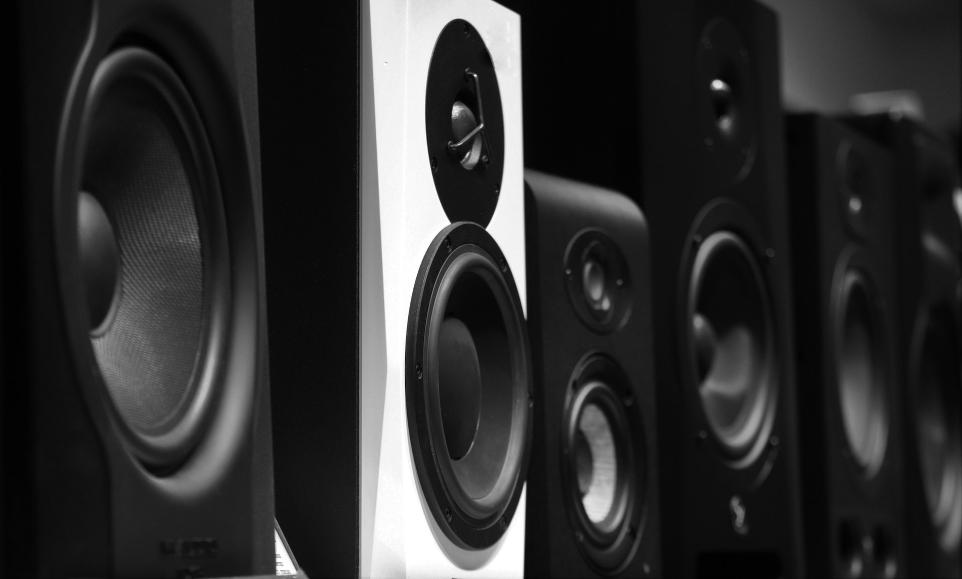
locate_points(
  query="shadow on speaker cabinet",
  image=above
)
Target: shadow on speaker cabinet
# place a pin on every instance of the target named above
(142, 429)
(593, 502)
(417, 202)
(847, 345)
(927, 317)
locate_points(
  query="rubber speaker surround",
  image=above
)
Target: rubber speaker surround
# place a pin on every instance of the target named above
(936, 382)
(468, 386)
(603, 426)
(860, 348)
(465, 194)
(149, 189)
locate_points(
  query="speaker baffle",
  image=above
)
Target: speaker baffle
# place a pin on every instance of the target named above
(468, 386)
(729, 335)
(937, 377)
(604, 464)
(860, 348)
(725, 93)
(464, 125)
(597, 281)
(856, 193)
(149, 236)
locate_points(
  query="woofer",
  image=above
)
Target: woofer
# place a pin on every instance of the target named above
(860, 354)
(152, 251)
(938, 380)
(603, 478)
(468, 386)
(730, 344)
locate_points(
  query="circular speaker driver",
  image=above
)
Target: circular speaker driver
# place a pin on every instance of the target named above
(149, 233)
(468, 386)
(731, 345)
(862, 375)
(598, 285)
(603, 463)
(937, 406)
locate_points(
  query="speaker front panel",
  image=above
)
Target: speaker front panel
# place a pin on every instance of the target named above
(141, 212)
(593, 509)
(446, 377)
(849, 420)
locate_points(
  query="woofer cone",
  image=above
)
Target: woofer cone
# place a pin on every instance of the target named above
(152, 249)
(468, 386)
(860, 354)
(730, 339)
(938, 380)
(603, 463)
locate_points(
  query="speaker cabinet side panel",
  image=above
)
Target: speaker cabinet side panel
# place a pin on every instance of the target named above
(54, 475)
(308, 59)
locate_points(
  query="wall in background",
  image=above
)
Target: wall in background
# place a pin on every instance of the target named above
(832, 49)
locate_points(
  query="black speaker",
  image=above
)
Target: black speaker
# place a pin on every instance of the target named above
(309, 67)
(678, 104)
(141, 415)
(848, 349)
(593, 501)
(928, 253)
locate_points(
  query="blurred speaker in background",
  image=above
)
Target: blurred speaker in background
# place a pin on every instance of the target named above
(928, 254)
(847, 344)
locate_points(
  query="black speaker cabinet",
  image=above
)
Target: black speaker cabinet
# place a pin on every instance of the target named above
(928, 253)
(309, 77)
(593, 502)
(678, 103)
(141, 408)
(393, 222)
(848, 349)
